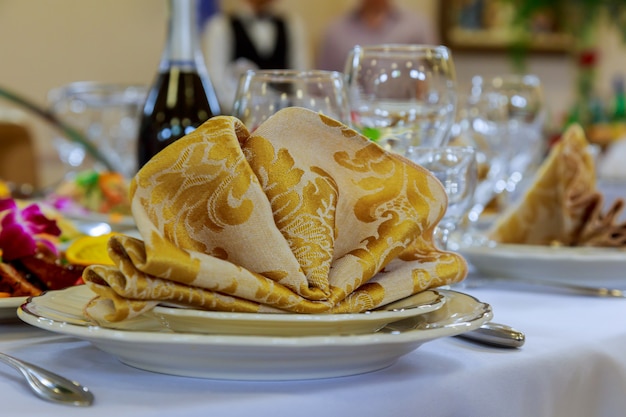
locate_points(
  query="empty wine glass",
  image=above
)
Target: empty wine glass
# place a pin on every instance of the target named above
(455, 167)
(261, 93)
(482, 124)
(402, 95)
(526, 116)
(108, 115)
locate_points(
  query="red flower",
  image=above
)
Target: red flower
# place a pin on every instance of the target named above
(588, 58)
(20, 230)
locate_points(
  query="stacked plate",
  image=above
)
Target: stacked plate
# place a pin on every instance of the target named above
(247, 346)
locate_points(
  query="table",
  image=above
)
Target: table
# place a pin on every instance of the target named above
(573, 364)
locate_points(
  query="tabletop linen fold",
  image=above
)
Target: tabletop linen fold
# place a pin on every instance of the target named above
(303, 215)
(563, 205)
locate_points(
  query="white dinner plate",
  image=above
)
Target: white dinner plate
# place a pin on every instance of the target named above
(187, 320)
(147, 344)
(116, 222)
(578, 265)
(8, 308)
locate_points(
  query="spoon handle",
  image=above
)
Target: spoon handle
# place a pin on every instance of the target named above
(48, 385)
(496, 334)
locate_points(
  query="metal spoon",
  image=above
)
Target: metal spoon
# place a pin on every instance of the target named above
(495, 334)
(50, 386)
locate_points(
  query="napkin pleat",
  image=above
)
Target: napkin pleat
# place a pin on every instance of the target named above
(303, 206)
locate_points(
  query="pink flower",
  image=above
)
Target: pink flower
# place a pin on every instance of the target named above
(20, 230)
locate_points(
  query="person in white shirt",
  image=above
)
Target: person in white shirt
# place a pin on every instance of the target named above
(372, 22)
(256, 36)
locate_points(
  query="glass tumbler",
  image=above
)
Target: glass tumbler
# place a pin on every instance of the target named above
(107, 114)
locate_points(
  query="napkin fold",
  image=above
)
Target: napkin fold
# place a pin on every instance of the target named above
(562, 206)
(304, 215)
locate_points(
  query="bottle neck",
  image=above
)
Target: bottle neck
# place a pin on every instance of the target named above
(182, 48)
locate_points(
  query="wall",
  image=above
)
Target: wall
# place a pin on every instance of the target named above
(45, 44)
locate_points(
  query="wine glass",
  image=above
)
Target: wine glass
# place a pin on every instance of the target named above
(482, 123)
(261, 93)
(455, 167)
(525, 120)
(402, 95)
(108, 115)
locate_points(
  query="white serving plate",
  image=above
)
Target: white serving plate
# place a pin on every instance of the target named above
(146, 344)
(187, 320)
(116, 222)
(578, 265)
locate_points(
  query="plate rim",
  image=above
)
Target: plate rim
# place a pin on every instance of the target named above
(97, 333)
(15, 302)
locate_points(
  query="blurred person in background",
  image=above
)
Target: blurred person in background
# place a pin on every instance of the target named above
(372, 22)
(255, 36)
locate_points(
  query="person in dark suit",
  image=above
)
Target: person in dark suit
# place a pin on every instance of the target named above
(256, 36)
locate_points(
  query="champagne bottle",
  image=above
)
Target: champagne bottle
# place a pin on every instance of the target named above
(182, 96)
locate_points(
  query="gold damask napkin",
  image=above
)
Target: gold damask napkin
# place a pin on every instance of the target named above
(563, 206)
(304, 215)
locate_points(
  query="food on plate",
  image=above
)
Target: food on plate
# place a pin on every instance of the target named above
(16, 283)
(257, 222)
(93, 191)
(42, 271)
(30, 259)
(563, 206)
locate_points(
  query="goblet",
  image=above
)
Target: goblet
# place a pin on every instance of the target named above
(525, 119)
(482, 124)
(402, 95)
(261, 93)
(455, 167)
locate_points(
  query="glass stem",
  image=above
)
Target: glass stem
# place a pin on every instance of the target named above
(442, 233)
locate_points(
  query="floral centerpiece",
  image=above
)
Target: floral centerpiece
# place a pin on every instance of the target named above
(21, 229)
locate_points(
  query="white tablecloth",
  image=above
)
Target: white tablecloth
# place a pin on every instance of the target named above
(573, 364)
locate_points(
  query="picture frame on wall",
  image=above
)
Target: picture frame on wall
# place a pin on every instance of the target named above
(489, 25)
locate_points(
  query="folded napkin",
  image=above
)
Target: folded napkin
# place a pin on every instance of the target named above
(563, 206)
(305, 215)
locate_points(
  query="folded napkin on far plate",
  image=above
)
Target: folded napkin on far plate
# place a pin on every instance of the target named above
(563, 206)
(304, 215)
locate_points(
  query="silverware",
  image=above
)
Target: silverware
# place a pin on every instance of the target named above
(49, 385)
(553, 285)
(495, 334)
